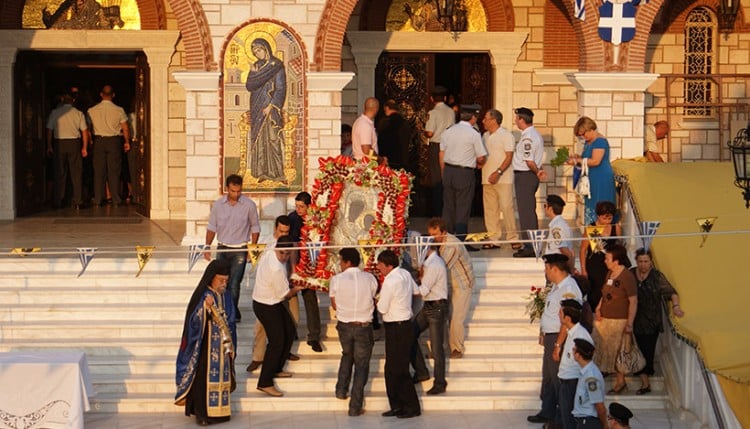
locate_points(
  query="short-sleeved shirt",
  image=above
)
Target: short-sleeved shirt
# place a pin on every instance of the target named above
(590, 391)
(651, 144)
(569, 368)
(615, 294)
(497, 144)
(462, 145)
(530, 147)
(396, 295)
(566, 289)
(107, 119)
(66, 122)
(441, 117)
(434, 285)
(234, 224)
(559, 235)
(363, 134)
(354, 291)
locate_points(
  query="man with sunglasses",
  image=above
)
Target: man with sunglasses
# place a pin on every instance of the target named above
(588, 408)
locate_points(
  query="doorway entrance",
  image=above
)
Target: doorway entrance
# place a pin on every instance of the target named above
(40, 78)
(408, 78)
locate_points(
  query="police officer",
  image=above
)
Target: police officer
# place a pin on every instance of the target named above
(619, 416)
(588, 410)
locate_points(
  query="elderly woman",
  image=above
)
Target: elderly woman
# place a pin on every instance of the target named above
(592, 261)
(653, 289)
(210, 314)
(615, 313)
(596, 156)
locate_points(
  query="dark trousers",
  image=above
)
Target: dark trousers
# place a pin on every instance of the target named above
(433, 316)
(458, 195)
(647, 344)
(550, 382)
(526, 183)
(588, 423)
(280, 332)
(237, 259)
(107, 166)
(566, 399)
(356, 348)
(398, 384)
(436, 180)
(312, 312)
(69, 164)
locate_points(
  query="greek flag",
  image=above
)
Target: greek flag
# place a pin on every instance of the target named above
(580, 6)
(538, 237)
(85, 255)
(648, 229)
(313, 249)
(423, 243)
(196, 250)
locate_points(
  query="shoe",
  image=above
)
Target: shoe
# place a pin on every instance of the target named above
(254, 365)
(391, 413)
(643, 390)
(315, 346)
(356, 413)
(293, 357)
(201, 422)
(341, 396)
(455, 354)
(418, 379)
(470, 249)
(616, 390)
(436, 390)
(516, 246)
(270, 391)
(283, 374)
(536, 418)
(526, 252)
(409, 414)
(490, 246)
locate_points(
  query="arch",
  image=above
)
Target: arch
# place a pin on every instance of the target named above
(336, 14)
(153, 14)
(673, 19)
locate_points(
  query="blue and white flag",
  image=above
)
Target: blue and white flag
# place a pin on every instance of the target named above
(196, 250)
(423, 243)
(648, 230)
(617, 22)
(85, 255)
(313, 249)
(580, 7)
(637, 2)
(538, 237)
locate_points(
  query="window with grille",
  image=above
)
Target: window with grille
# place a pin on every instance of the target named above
(700, 34)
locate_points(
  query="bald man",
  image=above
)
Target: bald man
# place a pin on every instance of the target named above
(364, 138)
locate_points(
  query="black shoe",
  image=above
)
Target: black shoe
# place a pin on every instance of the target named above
(526, 252)
(536, 418)
(419, 378)
(409, 414)
(436, 390)
(356, 413)
(341, 396)
(254, 365)
(391, 413)
(315, 346)
(201, 422)
(293, 357)
(471, 249)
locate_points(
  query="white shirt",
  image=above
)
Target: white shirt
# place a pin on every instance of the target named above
(559, 235)
(363, 134)
(462, 145)
(651, 141)
(395, 296)
(529, 148)
(441, 117)
(66, 122)
(497, 144)
(435, 279)
(566, 289)
(569, 368)
(106, 118)
(271, 284)
(354, 291)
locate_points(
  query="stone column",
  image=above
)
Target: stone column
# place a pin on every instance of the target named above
(7, 169)
(202, 151)
(616, 102)
(366, 49)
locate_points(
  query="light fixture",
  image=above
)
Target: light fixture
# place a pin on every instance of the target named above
(740, 148)
(728, 14)
(453, 16)
(111, 13)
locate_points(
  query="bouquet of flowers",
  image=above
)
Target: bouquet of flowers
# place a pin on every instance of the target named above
(537, 299)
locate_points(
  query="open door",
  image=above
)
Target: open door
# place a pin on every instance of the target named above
(139, 158)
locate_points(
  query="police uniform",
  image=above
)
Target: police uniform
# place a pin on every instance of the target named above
(590, 391)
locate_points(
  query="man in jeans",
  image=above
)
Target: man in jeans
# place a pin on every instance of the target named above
(433, 286)
(234, 222)
(352, 295)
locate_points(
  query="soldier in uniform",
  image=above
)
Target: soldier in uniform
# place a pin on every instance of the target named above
(588, 409)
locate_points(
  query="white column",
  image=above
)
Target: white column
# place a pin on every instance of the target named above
(366, 49)
(7, 169)
(202, 171)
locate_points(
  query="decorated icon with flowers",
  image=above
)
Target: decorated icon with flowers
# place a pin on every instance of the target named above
(536, 302)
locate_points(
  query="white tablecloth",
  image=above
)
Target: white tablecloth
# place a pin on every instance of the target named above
(44, 389)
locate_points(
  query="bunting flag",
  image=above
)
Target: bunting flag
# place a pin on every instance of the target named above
(254, 250)
(313, 249)
(594, 234)
(365, 250)
(85, 255)
(648, 230)
(637, 2)
(580, 9)
(23, 251)
(705, 224)
(423, 243)
(144, 255)
(537, 240)
(195, 253)
(477, 236)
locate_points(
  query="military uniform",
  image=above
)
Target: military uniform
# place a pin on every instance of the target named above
(590, 391)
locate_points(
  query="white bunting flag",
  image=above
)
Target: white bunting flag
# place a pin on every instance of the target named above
(313, 249)
(538, 236)
(85, 255)
(196, 251)
(423, 243)
(580, 9)
(648, 230)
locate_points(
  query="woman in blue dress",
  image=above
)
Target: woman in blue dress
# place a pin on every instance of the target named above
(596, 156)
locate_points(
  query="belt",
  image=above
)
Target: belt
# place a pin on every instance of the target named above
(106, 137)
(582, 420)
(436, 301)
(568, 380)
(233, 246)
(434, 142)
(72, 139)
(551, 333)
(362, 324)
(398, 323)
(522, 171)
(458, 166)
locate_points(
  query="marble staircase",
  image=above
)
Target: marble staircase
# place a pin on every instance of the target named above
(129, 328)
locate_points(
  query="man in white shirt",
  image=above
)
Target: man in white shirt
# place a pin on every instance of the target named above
(440, 118)
(364, 138)
(559, 231)
(433, 286)
(570, 316)
(395, 306)
(352, 293)
(654, 134)
(527, 172)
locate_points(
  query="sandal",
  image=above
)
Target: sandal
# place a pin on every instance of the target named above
(516, 246)
(617, 390)
(490, 246)
(643, 390)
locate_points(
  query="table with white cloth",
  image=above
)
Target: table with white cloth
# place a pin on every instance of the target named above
(44, 389)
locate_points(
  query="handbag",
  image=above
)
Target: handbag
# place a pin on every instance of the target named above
(583, 188)
(629, 358)
(576, 175)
